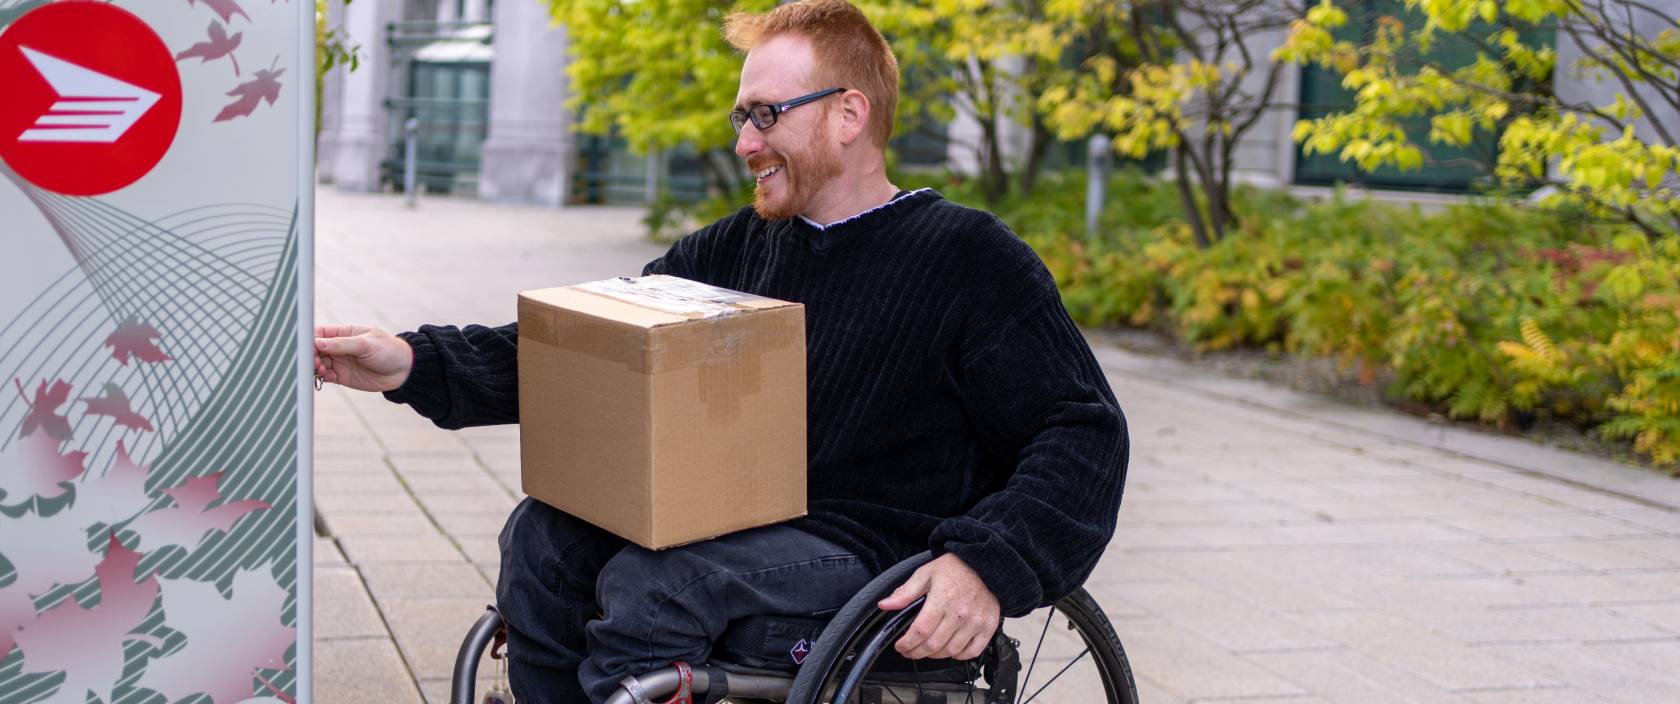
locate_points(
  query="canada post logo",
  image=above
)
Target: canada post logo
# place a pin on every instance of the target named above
(92, 99)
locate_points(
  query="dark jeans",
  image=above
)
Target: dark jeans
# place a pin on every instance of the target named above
(585, 609)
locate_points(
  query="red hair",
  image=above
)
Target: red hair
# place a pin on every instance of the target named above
(850, 52)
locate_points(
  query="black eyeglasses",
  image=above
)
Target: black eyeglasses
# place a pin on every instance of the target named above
(764, 116)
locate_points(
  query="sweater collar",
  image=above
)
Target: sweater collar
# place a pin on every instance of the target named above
(824, 235)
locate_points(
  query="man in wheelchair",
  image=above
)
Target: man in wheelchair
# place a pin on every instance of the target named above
(953, 406)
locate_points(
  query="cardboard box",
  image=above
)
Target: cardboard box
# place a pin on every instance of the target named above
(661, 409)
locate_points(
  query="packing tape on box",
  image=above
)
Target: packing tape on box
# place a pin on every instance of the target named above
(673, 295)
(675, 346)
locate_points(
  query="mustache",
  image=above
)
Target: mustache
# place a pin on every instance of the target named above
(759, 162)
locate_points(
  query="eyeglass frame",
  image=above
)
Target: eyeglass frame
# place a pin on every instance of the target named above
(776, 109)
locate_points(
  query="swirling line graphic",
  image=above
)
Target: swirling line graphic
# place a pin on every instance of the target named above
(147, 444)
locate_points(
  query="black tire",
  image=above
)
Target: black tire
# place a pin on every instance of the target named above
(849, 647)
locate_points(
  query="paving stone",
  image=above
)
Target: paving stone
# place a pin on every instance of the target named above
(1665, 616)
(1656, 519)
(1262, 583)
(1247, 511)
(1640, 673)
(1597, 589)
(326, 552)
(1499, 558)
(1549, 695)
(481, 549)
(387, 580)
(407, 523)
(342, 608)
(436, 691)
(1437, 659)
(424, 547)
(417, 439)
(358, 483)
(1421, 486)
(1600, 554)
(429, 631)
(349, 464)
(1374, 507)
(472, 523)
(1190, 668)
(394, 502)
(1558, 526)
(1343, 675)
(1148, 691)
(361, 671)
(419, 462)
(1667, 548)
(491, 572)
(1215, 615)
(468, 480)
(441, 501)
(1559, 624)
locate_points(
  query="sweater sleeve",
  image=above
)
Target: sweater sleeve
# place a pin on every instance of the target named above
(463, 377)
(1033, 390)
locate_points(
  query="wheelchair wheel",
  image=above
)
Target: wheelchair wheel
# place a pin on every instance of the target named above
(1066, 653)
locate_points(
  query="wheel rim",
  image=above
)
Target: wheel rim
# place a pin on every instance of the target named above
(1059, 662)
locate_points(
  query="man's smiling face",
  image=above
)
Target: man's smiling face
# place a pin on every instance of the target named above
(794, 160)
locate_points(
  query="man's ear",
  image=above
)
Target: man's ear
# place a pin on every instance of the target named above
(854, 116)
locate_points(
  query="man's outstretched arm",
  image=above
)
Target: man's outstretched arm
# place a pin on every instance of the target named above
(457, 377)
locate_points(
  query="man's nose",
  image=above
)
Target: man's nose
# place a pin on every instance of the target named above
(749, 141)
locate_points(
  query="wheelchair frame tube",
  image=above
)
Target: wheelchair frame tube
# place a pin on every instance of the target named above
(472, 648)
(662, 683)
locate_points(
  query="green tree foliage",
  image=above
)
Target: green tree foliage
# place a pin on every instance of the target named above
(1179, 76)
(985, 60)
(1618, 158)
(657, 73)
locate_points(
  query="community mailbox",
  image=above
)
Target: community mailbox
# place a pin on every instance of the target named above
(155, 304)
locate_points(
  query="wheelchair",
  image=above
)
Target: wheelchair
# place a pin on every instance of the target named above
(1066, 653)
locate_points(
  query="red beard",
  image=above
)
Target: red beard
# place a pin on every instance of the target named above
(805, 173)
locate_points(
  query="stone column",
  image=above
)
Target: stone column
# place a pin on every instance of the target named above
(527, 154)
(474, 11)
(359, 140)
(332, 100)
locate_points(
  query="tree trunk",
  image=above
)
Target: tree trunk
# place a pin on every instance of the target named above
(1187, 195)
(994, 179)
(1041, 139)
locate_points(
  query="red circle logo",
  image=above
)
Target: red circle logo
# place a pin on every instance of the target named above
(91, 99)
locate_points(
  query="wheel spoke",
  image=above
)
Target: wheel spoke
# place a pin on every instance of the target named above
(1064, 669)
(1036, 646)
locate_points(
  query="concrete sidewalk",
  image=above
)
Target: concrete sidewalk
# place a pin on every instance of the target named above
(1273, 546)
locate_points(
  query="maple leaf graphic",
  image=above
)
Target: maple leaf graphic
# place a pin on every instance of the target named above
(251, 92)
(115, 404)
(41, 413)
(136, 339)
(218, 660)
(188, 522)
(225, 8)
(41, 472)
(87, 643)
(218, 46)
(113, 498)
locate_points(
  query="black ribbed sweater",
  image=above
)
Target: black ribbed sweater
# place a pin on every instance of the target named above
(952, 403)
